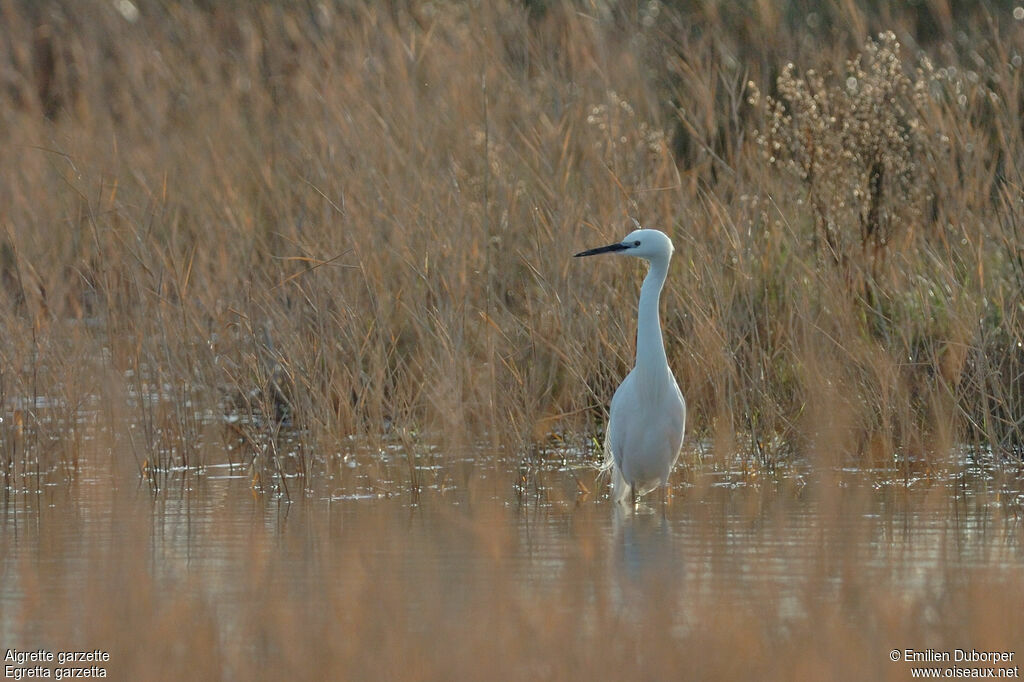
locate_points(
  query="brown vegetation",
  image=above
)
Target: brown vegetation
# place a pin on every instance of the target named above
(320, 221)
(334, 240)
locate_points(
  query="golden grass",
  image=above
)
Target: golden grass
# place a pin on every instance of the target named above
(335, 239)
(357, 220)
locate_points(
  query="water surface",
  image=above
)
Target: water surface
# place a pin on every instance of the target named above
(209, 577)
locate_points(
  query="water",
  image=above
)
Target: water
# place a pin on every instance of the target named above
(209, 579)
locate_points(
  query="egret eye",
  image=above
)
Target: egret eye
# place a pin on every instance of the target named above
(636, 243)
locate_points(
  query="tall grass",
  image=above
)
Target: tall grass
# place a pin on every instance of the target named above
(229, 224)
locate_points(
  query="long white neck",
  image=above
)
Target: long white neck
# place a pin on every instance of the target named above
(650, 347)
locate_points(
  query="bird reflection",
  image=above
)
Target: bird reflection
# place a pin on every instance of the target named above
(643, 547)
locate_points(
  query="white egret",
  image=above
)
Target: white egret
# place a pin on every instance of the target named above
(648, 413)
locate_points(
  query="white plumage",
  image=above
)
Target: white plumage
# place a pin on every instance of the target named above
(648, 412)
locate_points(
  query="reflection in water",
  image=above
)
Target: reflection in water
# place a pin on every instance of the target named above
(250, 586)
(643, 546)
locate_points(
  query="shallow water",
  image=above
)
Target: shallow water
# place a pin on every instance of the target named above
(534, 577)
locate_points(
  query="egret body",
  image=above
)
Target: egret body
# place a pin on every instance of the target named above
(648, 412)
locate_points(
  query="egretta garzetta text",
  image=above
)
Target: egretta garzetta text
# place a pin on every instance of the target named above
(648, 413)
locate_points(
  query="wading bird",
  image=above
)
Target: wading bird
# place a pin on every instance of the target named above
(648, 413)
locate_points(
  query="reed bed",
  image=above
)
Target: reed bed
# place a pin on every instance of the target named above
(287, 228)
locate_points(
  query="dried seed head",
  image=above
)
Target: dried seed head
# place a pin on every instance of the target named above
(855, 140)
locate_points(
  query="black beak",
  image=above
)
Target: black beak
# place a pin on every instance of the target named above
(611, 248)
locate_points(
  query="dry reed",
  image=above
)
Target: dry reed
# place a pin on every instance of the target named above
(279, 227)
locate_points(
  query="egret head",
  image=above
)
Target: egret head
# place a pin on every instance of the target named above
(646, 244)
